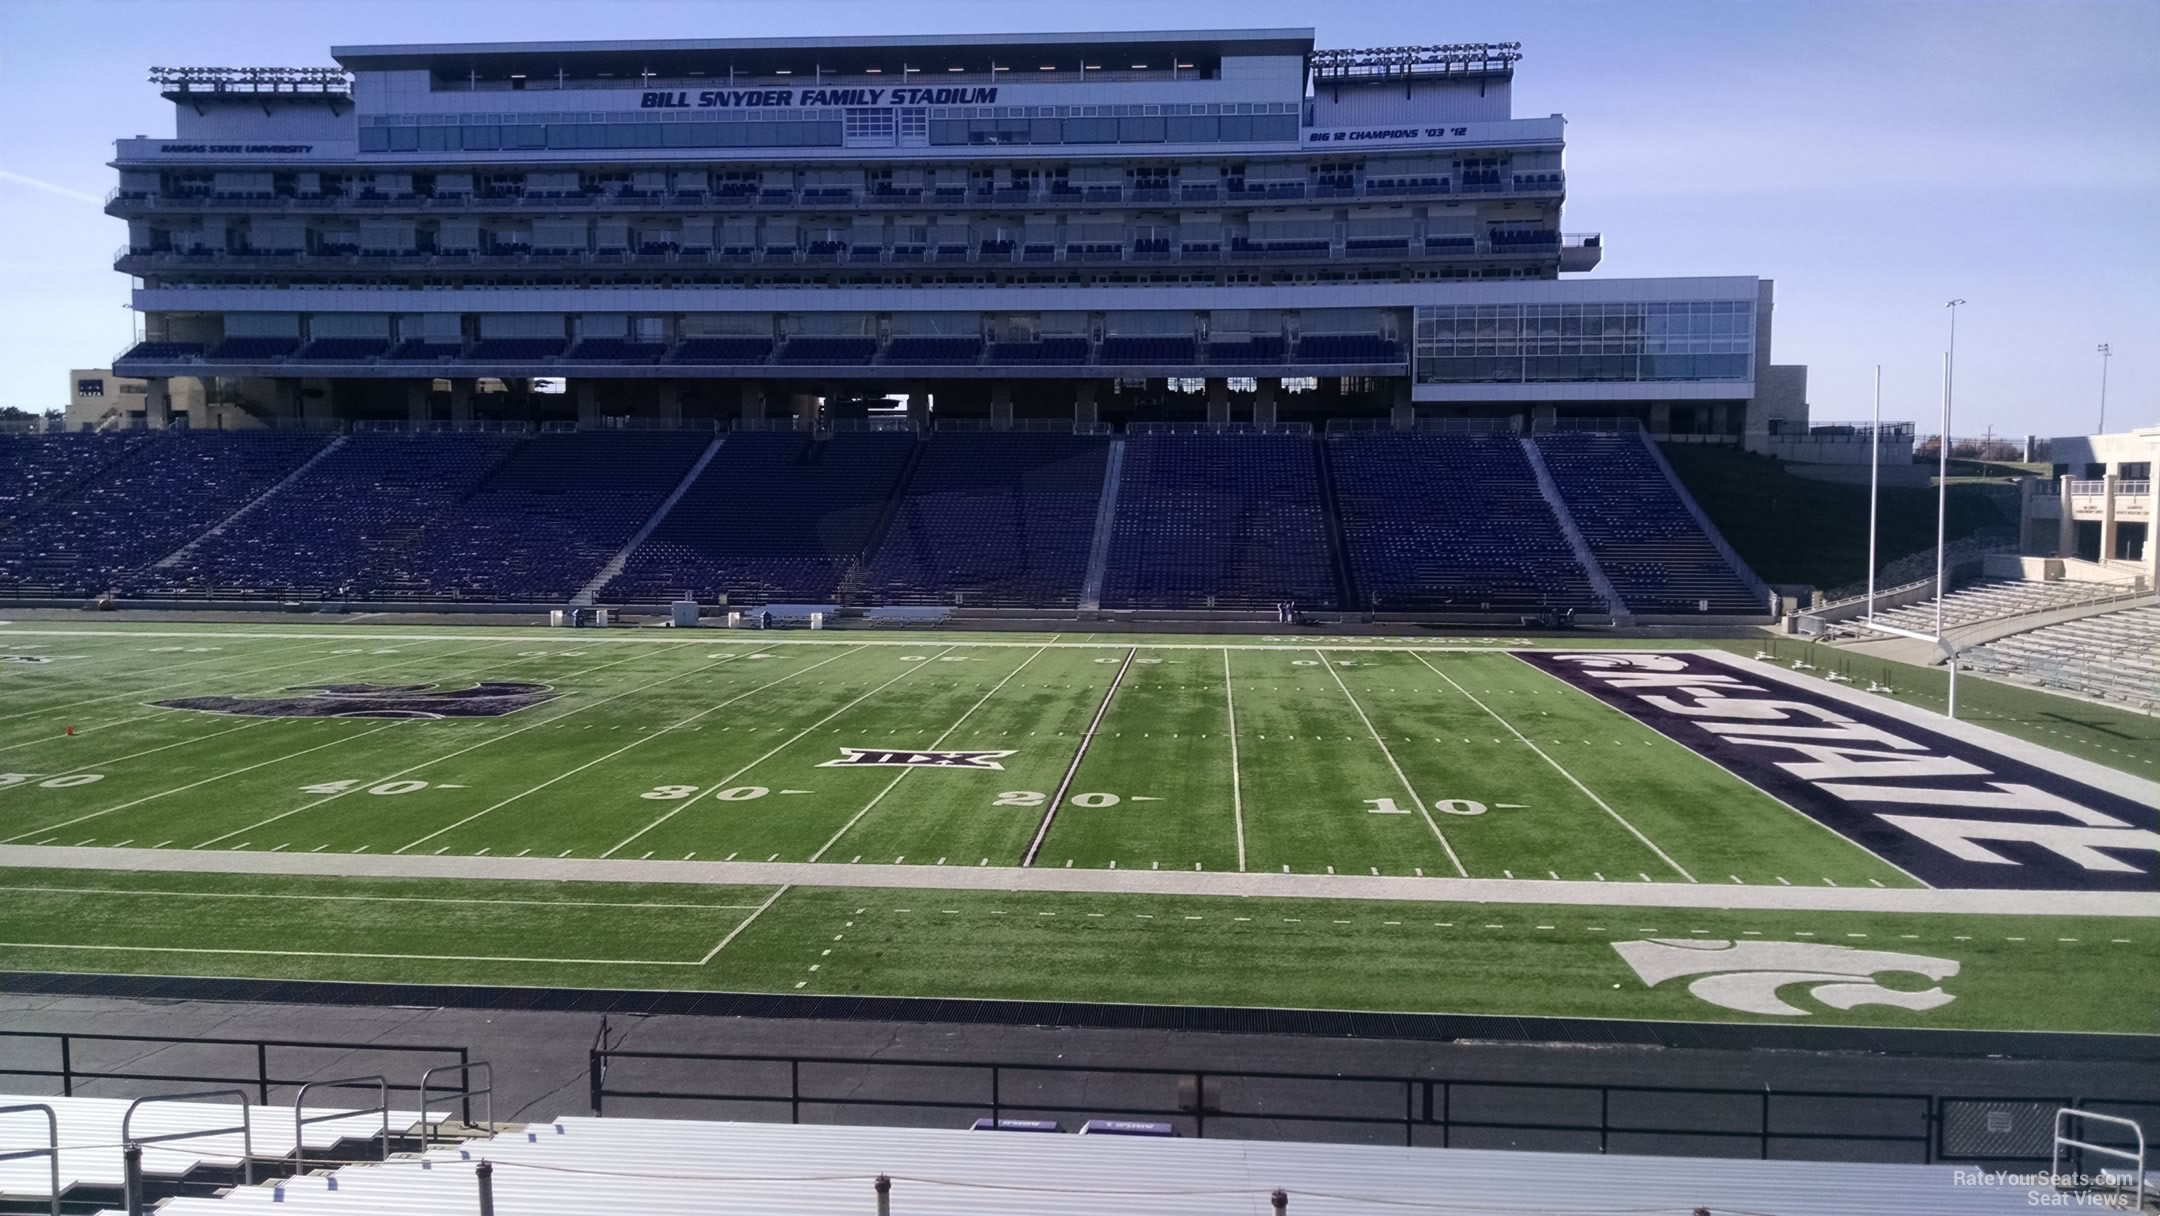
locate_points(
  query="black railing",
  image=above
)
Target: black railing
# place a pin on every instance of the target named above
(1768, 1123)
(70, 1073)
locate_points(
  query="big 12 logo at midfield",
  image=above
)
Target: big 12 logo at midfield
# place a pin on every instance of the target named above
(1746, 976)
(877, 757)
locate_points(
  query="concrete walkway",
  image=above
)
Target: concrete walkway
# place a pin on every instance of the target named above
(1126, 882)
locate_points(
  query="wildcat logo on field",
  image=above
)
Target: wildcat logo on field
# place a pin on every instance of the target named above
(1746, 976)
(25, 658)
(492, 699)
(871, 757)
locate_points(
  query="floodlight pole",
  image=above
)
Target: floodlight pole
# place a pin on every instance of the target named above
(2105, 355)
(1942, 505)
(1873, 492)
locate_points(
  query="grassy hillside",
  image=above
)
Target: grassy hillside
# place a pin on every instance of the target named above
(1793, 530)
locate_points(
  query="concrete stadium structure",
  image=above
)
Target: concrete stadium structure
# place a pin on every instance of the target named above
(1210, 226)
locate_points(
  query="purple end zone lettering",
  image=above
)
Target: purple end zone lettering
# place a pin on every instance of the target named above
(1948, 812)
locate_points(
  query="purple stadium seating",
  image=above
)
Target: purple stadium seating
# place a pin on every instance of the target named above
(1650, 546)
(1235, 518)
(549, 517)
(1451, 523)
(343, 350)
(775, 516)
(166, 489)
(344, 529)
(947, 351)
(1046, 351)
(993, 519)
(37, 468)
(731, 351)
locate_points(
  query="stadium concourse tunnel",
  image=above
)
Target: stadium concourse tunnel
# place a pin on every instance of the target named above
(1236, 520)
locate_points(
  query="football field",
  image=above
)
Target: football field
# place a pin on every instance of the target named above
(1163, 813)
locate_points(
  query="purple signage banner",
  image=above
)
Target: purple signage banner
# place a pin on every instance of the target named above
(1951, 813)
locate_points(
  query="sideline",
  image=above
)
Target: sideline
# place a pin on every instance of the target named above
(2131, 904)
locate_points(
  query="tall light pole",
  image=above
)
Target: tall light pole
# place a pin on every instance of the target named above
(1874, 491)
(2105, 355)
(1942, 503)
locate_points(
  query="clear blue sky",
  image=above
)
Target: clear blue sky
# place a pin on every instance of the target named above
(1876, 159)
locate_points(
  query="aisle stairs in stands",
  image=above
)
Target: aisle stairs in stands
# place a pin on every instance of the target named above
(1566, 519)
(585, 597)
(218, 529)
(1105, 526)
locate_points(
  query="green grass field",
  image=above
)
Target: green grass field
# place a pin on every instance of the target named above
(1163, 754)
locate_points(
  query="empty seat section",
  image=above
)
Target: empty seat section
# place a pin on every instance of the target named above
(828, 350)
(1047, 350)
(1347, 348)
(517, 349)
(167, 489)
(545, 522)
(1655, 554)
(239, 349)
(994, 519)
(722, 350)
(1262, 349)
(1451, 523)
(1232, 518)
(1148, 350)
(164, 350)
(34, 468)
(341, 350)
(617, 350)
(418, 350)
(776, 515)
(946, 351)
(346, 528)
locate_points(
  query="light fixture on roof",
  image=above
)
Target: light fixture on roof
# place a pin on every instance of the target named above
(1139, 67)
(517, 75)
(1048, 67)
(956, 68)
(783, 71)
(873, 71)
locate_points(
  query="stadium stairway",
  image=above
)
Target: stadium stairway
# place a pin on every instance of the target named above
(1346, 588)
(1566, 519)
(1105, 526)
(218, 529)
(614, 566)
(187, 1148)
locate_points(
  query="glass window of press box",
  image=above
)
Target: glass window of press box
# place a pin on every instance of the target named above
(1531, 343)
(1255, 122)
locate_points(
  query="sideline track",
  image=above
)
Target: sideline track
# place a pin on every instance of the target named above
(1129, 882)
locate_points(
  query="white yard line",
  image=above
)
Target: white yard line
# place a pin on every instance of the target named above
(938, 743)
(735, 932)
(638, 742)
(492, 739)
(52, 827)
(1042, 830)
(1928, 900)
(1376, 644)
(104, 892)
(1415, 798)
(1237, 791)
(412, 958)
(791, 741)
(1558, 768)
(1714, 763)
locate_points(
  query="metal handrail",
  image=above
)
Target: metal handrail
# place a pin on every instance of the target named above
(1426, 1101)
(263, 1081)
(382, 1085)
(51, 1149)
(2062, 1141)
(464, 1070)
(247, 1134)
